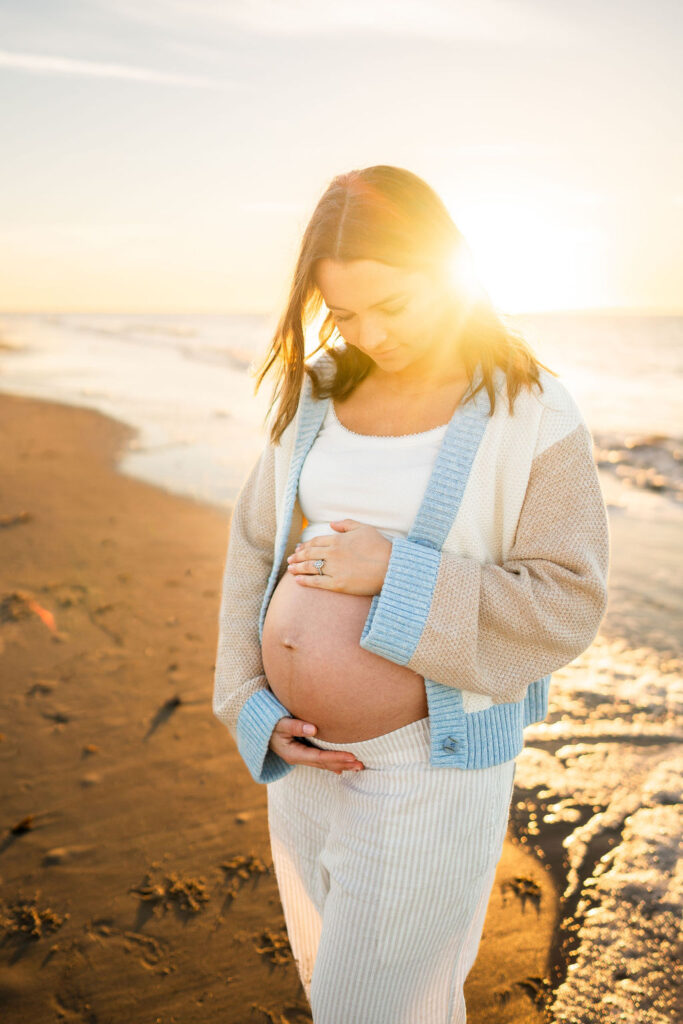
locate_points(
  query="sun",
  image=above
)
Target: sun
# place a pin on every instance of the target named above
(463, 276)
(530, 256)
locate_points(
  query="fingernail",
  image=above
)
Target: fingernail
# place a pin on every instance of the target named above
(309, 729)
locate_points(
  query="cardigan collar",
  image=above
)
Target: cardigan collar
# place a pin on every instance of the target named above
(447, 481)
(451, 468)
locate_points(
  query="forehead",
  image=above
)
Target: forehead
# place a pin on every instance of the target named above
(360, 282)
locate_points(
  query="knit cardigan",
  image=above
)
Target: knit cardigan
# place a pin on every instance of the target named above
(501, 579)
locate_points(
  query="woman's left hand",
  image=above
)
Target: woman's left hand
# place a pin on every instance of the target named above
(356, 559)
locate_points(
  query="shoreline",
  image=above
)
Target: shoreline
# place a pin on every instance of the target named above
(131, 574)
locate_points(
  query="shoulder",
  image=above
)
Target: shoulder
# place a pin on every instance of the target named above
(543, 415)
(560, 413)
(323, 364)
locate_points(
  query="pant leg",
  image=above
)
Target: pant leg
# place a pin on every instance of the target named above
(298, 823)
(410, 861)
(473, 938)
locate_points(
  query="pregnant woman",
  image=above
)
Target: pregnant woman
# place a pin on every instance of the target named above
(421, 543)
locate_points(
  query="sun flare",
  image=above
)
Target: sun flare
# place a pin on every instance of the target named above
(528, 255)
(463, 275)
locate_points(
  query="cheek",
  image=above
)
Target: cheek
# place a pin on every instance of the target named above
(415, 330)
(425, 325)
(345, 331)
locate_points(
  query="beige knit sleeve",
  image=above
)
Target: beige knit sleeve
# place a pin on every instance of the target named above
(239, 673)
(493, 629)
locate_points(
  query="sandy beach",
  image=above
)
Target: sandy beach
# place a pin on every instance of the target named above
(136, 881)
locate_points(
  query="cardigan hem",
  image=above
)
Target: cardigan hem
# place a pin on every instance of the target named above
(480, 739)
(458, 739)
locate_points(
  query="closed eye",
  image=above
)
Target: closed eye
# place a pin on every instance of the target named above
(389, 312)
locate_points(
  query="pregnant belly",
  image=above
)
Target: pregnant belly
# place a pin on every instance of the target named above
(316, 668)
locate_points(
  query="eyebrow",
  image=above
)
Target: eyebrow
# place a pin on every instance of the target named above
(389, 298)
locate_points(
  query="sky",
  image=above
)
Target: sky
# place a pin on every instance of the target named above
(165, 156)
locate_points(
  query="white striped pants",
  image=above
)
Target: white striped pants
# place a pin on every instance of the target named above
(385, 876)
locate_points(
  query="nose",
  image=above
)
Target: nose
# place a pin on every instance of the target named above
(372, 337)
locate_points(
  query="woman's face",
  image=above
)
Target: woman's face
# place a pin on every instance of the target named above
(397, 317)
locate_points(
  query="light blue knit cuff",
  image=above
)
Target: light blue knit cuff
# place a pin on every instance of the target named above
(397, 615)
(255, 725)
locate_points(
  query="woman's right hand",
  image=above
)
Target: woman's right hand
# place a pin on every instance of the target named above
(285, 742)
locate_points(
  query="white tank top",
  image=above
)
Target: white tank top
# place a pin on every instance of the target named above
(376, 480)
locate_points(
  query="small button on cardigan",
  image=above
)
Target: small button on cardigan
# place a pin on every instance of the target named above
(501, 580)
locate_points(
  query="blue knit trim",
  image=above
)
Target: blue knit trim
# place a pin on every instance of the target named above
(536, 700)
(448, 734)
(255, 724)
(397, 614)
(478, 739)
(451, 470)
(311, 416)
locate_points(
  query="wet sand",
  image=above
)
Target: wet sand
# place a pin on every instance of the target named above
(136, 882)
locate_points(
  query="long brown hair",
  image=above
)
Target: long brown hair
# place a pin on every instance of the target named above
(390, 215)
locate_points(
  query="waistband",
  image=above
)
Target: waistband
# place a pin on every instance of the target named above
(406, 745)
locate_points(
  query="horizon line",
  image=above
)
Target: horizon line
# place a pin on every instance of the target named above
(604, 310)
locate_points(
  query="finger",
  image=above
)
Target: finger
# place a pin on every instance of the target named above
(302, 565)
(307, 568)
(333, 760)
(343, 525)
(322, 541)
(311, 551)
(297, 752)
(296, 727)
(313, 579)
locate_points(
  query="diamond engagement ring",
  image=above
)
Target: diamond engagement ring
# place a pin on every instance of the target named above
(319, 563)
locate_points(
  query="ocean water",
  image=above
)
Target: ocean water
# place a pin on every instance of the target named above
(598, 784)
(184, 382)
